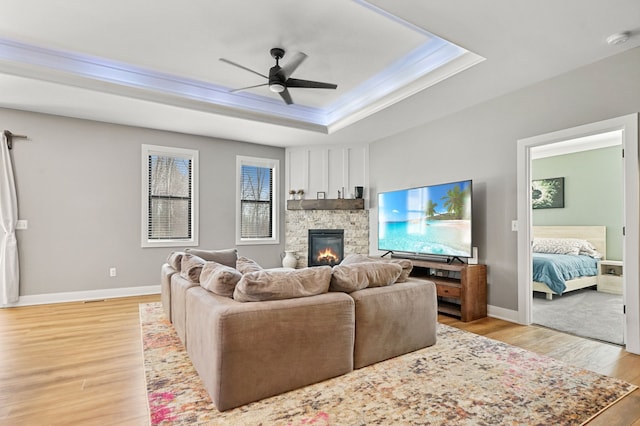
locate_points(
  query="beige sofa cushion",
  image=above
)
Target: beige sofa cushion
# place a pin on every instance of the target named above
(394, 320)
(406, 264)
(191, 267)
(175, 260)
(281, 284)
(349, 278)
(226, 257)
(245, 265)
(219, 279)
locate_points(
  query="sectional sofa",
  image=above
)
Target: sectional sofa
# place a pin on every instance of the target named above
(253, 333)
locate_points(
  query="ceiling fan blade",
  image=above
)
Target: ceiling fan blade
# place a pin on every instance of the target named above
(248, 87)
(294, 82)
(286, 96)
(294, 63)
(243, 67)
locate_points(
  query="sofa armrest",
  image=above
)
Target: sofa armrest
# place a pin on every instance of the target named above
(165, 288)
(248, 351)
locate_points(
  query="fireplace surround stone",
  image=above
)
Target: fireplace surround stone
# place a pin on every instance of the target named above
(354, 222)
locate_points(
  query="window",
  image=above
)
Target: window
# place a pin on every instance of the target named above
(256, 212)
(169, 204)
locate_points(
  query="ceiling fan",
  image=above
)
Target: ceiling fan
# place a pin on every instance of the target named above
(279, 77)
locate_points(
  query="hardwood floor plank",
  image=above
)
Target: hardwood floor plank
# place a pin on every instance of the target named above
(81, 363)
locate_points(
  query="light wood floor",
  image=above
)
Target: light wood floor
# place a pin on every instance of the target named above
(81, 363)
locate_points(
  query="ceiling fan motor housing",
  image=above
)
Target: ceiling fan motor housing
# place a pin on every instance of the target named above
(276, 80)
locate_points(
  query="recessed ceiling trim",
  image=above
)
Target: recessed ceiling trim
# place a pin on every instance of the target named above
(46, 64)
(456, 61)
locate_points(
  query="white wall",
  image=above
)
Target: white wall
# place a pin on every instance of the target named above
(479, 143)
(79, 187)
(328, 169)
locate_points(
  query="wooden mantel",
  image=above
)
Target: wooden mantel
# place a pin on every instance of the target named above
(336, 204)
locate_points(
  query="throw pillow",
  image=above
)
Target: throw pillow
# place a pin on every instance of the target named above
(278, 284)
(589, 250)
(226, 257)
(191, 267)
(349, 278)
(175, 259)
(556, 245)
(406, 264)
(245, 265)
(219, 279)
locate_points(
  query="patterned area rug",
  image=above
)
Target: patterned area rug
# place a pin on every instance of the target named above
(465, 379)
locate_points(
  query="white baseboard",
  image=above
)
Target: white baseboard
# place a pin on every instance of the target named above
(82, 296)
(502, 313)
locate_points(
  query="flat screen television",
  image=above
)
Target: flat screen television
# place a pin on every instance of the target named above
(428, 220)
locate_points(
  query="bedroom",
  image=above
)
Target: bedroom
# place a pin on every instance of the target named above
(590, 193)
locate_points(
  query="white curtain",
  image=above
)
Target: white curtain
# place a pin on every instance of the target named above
(9, 271)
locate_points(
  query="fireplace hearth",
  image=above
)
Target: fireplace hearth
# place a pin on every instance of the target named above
(326, 247)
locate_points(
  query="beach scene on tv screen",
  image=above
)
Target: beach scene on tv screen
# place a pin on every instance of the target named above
(427, 220)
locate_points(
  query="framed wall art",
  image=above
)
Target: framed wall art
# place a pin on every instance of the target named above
(547, 193)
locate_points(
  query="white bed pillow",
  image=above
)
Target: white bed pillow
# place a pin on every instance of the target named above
(573, 246)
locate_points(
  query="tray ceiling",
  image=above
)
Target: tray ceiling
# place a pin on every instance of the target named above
(159, 67)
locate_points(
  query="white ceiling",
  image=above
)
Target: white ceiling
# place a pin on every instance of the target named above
(156, 64)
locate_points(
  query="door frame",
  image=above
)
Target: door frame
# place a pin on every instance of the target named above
(631, 220)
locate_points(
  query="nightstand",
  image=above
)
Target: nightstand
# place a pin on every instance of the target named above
(610, 274)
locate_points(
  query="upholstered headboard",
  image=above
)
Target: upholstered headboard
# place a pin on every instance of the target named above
(596, 235)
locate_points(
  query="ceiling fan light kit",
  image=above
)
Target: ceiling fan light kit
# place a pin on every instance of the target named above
(279, 81)
(276, 87)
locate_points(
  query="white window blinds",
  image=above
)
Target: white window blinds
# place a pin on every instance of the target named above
(257, 189)
(169, 217)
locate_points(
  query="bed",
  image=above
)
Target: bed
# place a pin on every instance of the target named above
(587, 266)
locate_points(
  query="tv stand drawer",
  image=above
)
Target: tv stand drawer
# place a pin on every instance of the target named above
(447, 290)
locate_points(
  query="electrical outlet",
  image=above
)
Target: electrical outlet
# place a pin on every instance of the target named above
(22, 224)
(112, 272)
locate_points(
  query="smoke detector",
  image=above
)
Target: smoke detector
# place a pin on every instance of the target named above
(618, 38)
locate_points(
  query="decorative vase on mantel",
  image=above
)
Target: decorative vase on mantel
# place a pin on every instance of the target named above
(290, 260)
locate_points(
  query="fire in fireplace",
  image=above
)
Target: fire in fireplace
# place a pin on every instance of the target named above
(326, 247)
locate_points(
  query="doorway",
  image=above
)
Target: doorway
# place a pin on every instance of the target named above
(586, 174)
(628, 125)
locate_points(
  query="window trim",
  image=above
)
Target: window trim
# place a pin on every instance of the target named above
(273, 164)
(148, 150)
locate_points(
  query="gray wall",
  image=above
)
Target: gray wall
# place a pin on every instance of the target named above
(593, 184)
(479, 143)
(78, 185)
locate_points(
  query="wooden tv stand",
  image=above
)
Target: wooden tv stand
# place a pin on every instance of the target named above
(461, 288)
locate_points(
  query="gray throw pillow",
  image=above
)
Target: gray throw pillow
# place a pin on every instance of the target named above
(225, 257)
(406, 264)
(245, 265)
(191, 267)
(175, 260)
(278, 284)
(349, 278)
(219, 279)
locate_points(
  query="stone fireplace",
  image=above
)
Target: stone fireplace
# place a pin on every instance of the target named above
(353, 223)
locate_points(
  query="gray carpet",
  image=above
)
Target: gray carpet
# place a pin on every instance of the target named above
(585, 313)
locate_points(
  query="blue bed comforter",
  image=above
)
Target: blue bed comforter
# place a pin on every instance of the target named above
(555, 269)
